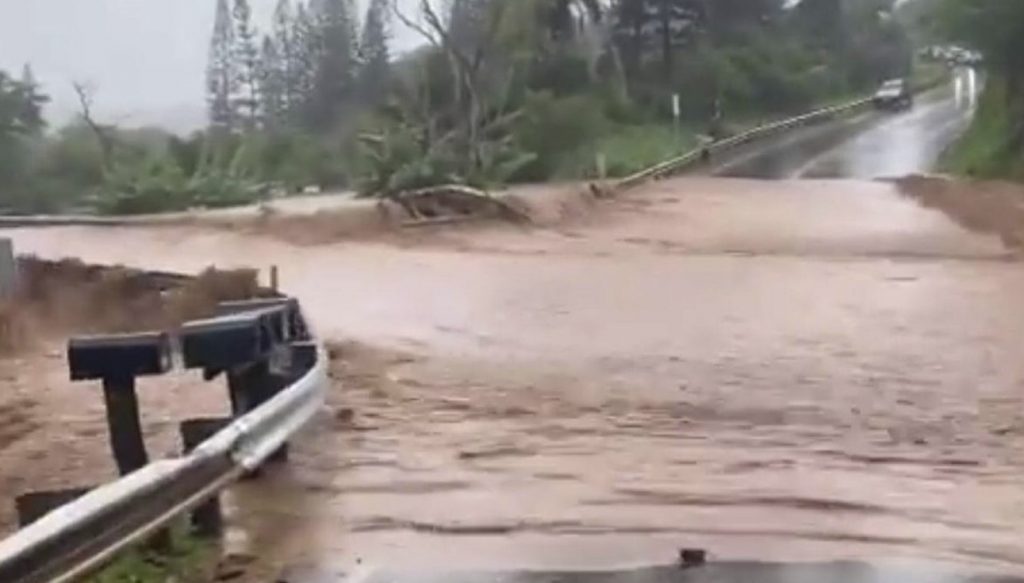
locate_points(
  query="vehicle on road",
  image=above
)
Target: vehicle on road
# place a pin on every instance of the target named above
(893, 95)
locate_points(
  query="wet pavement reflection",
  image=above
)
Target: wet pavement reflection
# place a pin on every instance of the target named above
(874, 145)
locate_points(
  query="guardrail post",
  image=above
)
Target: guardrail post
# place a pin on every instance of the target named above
(207, 518)
(33, 506)
(249, 342)
(117, 360)
(124, 424)
(8, 269)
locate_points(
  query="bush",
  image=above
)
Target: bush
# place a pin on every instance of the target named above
(155, 185)
(630, 149)
(993, 146)
(554, 129)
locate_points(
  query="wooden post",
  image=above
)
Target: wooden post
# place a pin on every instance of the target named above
(126, 440)
(124, 424)
(274, 278)
(207, 519)
(250, 387)
(8, 269)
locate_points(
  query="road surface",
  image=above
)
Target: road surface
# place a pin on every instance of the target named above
(867, 146)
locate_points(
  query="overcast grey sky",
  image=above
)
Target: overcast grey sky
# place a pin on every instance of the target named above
(145, 58)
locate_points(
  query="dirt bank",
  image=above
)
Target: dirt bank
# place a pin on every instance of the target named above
(987, 206)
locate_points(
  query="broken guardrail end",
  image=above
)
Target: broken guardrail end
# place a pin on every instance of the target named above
(35, 505)
(692, 557)
(119, 356)
(233, 340)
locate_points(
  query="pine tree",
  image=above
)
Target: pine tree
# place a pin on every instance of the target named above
(272, 86)
(284, 43)
(662, 26)
(221, 77)
(306, 48)
(373, 51)
(247, 65)
(336, 64)
(28, 77)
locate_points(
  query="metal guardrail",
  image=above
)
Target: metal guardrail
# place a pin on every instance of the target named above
(82, 536)
(695, 156)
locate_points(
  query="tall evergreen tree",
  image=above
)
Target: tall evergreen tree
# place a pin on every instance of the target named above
(273, 85)
(284, 43)
(336, 68)
(221, 76)
(28, 77)
(657, 26)
(306, 49)
(373, 51)
(247, 65)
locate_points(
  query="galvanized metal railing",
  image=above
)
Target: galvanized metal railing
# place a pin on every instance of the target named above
(697, 155)
(84, 535)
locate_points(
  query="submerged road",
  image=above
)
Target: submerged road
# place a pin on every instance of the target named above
(867, 146)
(772, 370)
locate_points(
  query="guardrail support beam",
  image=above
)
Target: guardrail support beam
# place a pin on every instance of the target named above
(124, 424)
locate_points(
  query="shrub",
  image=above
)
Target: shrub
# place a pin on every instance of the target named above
(554, 129)
(152, 186)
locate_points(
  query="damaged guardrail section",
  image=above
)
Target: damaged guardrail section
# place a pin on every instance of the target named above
(277, 377)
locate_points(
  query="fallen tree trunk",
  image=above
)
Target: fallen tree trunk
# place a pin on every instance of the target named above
(455, 201)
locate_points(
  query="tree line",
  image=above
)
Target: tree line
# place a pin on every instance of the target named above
(499, 91)
(316, 61)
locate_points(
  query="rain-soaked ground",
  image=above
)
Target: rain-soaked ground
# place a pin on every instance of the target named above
(789, 370)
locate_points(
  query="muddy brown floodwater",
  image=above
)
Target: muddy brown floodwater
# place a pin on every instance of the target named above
(786, 370)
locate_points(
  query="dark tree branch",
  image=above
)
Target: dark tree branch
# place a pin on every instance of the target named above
(85, 100)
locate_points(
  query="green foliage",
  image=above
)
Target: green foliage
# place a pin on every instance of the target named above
(226, 173)
(399, 159)
(629, 149)
(189, 561)
(154, 185)
(995, 27)
(399, 155)
(994, 145)
(20, 122)
(991, 148)
(554, 129)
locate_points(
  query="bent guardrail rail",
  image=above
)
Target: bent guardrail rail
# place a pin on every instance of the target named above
(82, 536)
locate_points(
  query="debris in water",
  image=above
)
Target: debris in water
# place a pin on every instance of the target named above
(692, 557)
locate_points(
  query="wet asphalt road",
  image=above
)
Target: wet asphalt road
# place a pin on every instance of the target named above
(867, 146)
